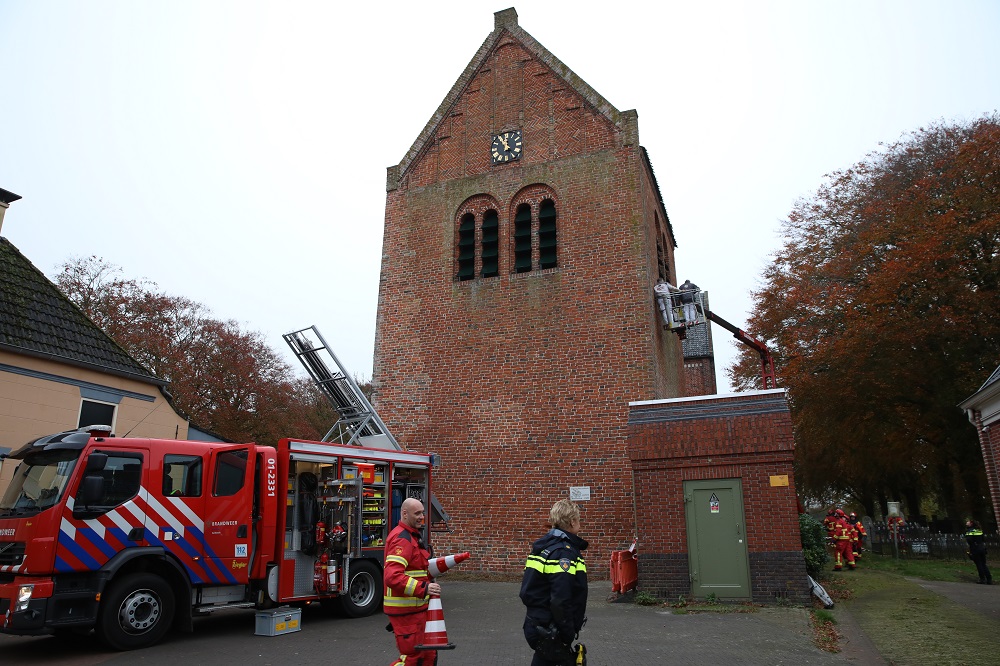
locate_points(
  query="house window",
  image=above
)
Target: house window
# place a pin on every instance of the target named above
(96, 413)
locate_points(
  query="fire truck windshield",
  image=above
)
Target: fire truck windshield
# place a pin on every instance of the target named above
(39, 482)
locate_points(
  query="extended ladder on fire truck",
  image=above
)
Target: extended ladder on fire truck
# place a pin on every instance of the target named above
(359, 424)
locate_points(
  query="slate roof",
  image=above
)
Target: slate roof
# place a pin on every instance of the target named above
(36, 319)
(994, 377)
(698, 342)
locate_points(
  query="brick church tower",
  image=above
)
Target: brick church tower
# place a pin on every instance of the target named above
(524, 232)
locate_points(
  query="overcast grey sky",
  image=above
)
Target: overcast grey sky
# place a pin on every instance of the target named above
(235, 152)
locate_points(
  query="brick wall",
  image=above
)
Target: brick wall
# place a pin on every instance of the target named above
(699, 376)
(989, 443)
(522, 381)
(744, 436)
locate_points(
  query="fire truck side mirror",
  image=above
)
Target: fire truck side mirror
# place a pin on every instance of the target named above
(91, 490)
(92, 486)
(96, 462)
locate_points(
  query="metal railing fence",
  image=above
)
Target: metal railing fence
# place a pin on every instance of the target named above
(915, 541)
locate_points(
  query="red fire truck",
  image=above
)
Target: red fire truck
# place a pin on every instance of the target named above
(131, 537)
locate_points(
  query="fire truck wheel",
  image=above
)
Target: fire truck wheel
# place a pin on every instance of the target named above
(364, 593)
(136, 612)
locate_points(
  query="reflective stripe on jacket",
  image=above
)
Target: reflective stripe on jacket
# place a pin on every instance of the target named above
(406, 576)
(842, 531)
(554, 587)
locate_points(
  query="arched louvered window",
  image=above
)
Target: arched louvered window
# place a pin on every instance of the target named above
(467, 247)
(491, 244)
(522, 239)
(547, 234)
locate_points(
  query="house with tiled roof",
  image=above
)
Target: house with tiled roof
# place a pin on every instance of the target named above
(983, 410)
(59, 371)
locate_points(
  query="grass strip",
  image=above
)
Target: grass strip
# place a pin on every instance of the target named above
(911, 625)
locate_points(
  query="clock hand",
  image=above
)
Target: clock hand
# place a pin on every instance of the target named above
(503, 140)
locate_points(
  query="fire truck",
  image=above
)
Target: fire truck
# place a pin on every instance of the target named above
(131, 537)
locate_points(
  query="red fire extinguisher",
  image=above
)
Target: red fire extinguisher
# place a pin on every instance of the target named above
(320, 534)
(320, 579)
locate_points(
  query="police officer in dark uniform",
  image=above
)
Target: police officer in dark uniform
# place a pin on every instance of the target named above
(977, 550)
(554, 589)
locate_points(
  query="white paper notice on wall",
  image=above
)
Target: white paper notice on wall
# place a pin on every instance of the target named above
(579, 493)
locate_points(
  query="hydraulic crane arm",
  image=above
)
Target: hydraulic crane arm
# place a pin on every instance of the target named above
(766, 361)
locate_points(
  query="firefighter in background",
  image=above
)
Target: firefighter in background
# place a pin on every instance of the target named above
(408, 585)
(895, 526)
(860, 534)
(830, 521)
(842, 541)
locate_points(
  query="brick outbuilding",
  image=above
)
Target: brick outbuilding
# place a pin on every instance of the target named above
(715, 476)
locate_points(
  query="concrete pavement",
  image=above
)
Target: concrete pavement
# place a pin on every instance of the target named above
(983, 599)
(483, 620)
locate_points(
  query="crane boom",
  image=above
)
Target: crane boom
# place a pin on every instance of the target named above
(766, 361)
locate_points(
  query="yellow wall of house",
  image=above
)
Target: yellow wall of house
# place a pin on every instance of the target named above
(32, 406)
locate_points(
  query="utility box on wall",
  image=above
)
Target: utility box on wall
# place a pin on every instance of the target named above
(715, 475)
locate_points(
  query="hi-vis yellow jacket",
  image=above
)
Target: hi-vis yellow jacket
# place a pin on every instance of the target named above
(406, 575)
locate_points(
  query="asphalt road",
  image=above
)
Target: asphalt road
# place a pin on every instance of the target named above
(483, 620)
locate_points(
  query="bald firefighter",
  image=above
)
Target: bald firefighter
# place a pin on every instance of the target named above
(408, 585)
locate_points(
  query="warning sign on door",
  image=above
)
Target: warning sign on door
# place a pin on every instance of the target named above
(713, 504)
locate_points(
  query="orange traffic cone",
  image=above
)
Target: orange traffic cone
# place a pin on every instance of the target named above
(438, 566)
(435, 635)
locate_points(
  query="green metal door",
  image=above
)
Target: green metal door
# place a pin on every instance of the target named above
(716, 533)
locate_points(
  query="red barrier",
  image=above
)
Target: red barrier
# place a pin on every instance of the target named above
(624, 571)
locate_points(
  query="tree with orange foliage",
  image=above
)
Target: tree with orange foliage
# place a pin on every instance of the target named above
(883, 312)
(224, 378)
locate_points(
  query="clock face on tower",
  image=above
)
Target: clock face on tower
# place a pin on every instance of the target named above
(506, 147)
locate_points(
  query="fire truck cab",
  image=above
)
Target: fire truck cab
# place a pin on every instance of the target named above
(131, 537)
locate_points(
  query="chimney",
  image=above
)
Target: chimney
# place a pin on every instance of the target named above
(6, 199)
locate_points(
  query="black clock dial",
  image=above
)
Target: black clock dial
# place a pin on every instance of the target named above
(506, 147)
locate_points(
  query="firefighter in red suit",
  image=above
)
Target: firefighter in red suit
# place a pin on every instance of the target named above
(829, 522)
(859, 534)
(842, 533)
(408, 585)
